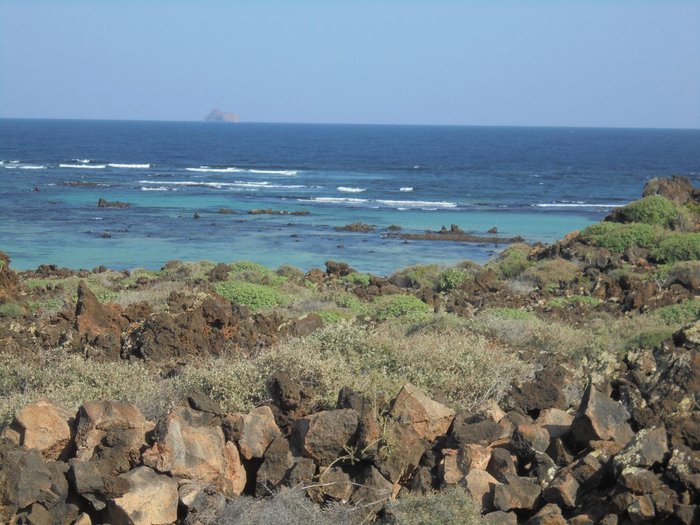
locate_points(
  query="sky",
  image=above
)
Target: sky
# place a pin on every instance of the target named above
(603, 63)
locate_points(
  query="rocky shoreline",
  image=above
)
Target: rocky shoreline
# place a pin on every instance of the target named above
(555, 385)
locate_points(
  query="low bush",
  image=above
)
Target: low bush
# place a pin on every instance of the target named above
(510, 313)
(398, 305)
(551, 272)
(677, 247)
(358, 279)
(452, 278)
(351, 302)
(253, 295)
(654, 210)
(255, 273)
(650, 339)
(451, 506)
(681, 313)
(330, 317)
(618, 237)
(10, 310)
(512, 261)
(418, 276)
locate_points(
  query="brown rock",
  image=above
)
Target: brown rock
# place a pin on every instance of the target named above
(550, 514)
(429, 418)
(556, 422)
(276, 465)
(323, 436)
(335, 485)
(407, 447)
(563, 490)
(641, 510)
(687, 514)
(677, 188)
(303, 472)
(151, 500)
(528, 439)
(258, 431)
(600, 418)
(99, 325)
(45, 426)
(501, 464)
(480, 485)
(97, 420)
(647, 448)
(467, 430)
(638, 480)
(516, 494)
(196, 453)
(371, 493)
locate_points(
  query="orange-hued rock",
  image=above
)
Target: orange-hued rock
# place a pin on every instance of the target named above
(45, 426)
(428, 418)
(151, 499)
(258, 431)
(98, 419)
(196, 453)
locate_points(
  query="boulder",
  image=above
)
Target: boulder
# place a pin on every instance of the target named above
(641, 510)
(563, 490)
(480, 486)
(276, 465)
(647, 448)
(677, 188)
(638, 480)
(99, 325)
(323, 436)
(25, 479)
(200, 501)
(428, 418)
(99, 422)
(556, 422)
(501, 464)
(516, 494)
(456, 464)
(406, 450)
(467, 430)
(152, 499)
(256, 431)
(600, 418)
(529, 439)
(371, 493)
(500, 518)
(45, 426)
(96, 482)
(336, 485)
(196, 453)
(550, 514)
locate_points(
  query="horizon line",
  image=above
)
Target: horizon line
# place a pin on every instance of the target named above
(202, 121)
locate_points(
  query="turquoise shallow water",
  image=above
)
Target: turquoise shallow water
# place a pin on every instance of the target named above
(540, 183)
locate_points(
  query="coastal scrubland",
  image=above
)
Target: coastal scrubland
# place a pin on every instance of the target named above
(607, 314)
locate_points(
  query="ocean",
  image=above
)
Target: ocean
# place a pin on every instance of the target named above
(539, 183)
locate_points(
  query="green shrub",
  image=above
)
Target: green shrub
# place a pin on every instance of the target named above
(512, 261)
(618, 237)
(255, 273)
(291, 273)
(330, 317)
(10, 310)
(551, 272)
(418, 276)
(681, 313)
(654, 210)
(450, 506)
(399, 305)
(357, 278)
(510, 313)
(351, 302)
(255, 296)
(650, 339)
(677, 247)
(574, 300)
(453, 278)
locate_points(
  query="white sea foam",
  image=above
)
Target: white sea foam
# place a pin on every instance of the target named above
(83, 166)
(207, 169)
(157, 188)
(128, 166)
(32, 167)
(419, 204)
(348, 189)
(289, 173)
(219, 185)
(82, 161)
(577, 205)
(406, 188)
(338, 200)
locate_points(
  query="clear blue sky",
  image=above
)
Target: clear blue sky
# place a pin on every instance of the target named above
(558, 62)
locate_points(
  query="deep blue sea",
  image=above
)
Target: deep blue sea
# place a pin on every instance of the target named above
(540, 183)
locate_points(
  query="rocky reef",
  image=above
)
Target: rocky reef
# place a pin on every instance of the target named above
(216, 115)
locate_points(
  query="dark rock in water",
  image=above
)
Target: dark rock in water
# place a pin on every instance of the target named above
(226, 211)
(195, 215)
(492, 230)
(456, 234)
(103, 203)
(216, 115)
(394, 228)
(269, 211)
(37, 189)
(359, 227)
(106, 235)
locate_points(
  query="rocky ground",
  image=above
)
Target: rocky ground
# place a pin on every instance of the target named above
(556, 384)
